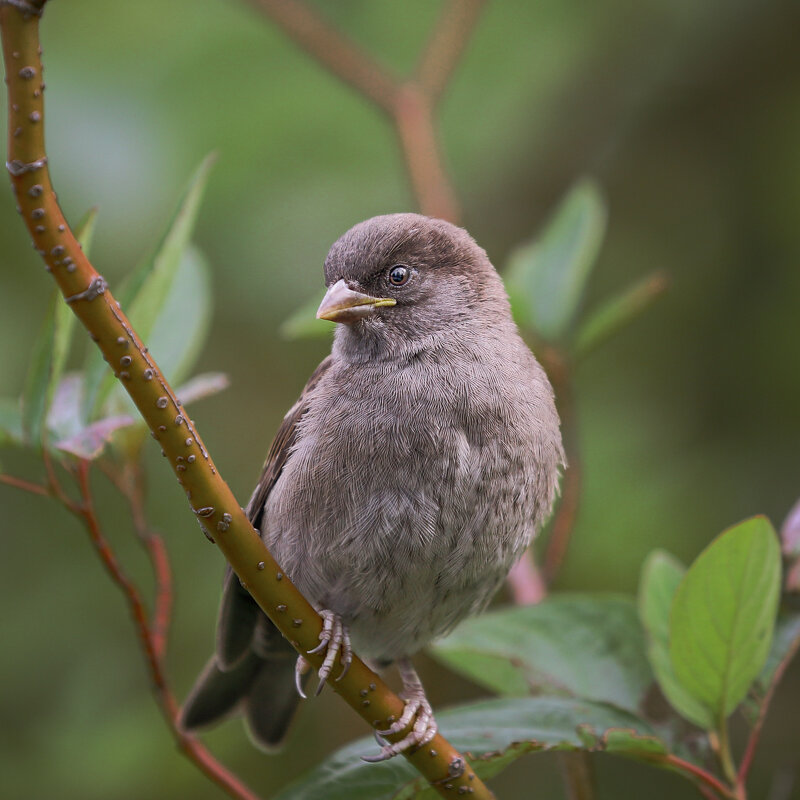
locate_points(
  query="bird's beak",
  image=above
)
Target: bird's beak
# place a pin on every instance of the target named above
(343, 304)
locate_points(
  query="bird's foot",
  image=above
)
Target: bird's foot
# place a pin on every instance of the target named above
(417, 711)
(334, 640)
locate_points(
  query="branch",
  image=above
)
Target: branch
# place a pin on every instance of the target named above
(564, 520)
(335, 51)
(409, 105)
(152, 648)
(755, 733)
(446, 46)
(211, 500)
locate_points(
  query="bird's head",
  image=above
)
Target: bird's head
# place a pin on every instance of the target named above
(400, 279)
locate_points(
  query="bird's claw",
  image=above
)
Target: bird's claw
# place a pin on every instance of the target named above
(418, 710)
(301, 667)
(334, 640)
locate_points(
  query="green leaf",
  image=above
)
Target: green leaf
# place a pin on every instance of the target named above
(85, 231)
(180, 328)
(494, 733)
(588, 646)
(46, 366)
(546, 278)
(616, 313)
(303, 323)
(147, 290)
(723, 617)
(661, 576)
(11, 430)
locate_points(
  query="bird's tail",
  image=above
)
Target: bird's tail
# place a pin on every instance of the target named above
(251, 673)
(263, 690)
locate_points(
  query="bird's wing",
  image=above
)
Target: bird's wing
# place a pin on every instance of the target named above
(238, 613)
(281, 445)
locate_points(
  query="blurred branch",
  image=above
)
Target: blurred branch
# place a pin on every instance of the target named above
(563, 522)
(755, 732)
(446, 45)
(410, 104)
(210, 498)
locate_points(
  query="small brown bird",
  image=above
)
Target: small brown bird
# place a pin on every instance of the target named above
(411, 474)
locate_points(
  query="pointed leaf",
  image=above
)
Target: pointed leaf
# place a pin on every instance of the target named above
(11, 431)
(201, 386)
(180, 329)
(303, 323)
(85, 231)
(89, 442)
(589, 646)
(547, 277)
(46, 365)
(723, 617)
(618, 312)
(145, 293)
(64, 418)
(661, 576)
(494, 733)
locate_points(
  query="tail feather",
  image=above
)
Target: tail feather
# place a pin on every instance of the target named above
(218, 693)
(271, 703)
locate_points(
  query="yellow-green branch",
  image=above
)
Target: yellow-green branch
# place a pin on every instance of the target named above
(219, 514)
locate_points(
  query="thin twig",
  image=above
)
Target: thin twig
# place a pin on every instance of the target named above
(408, 104)
(755, 733)
(446, 45)
(335, 51)
(563, 523)
(26, 486)
(704, 778)
(166, 700)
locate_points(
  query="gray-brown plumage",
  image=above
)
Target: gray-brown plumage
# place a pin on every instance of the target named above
(411, 474)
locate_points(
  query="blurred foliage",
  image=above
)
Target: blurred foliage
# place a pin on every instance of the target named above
(687, 116)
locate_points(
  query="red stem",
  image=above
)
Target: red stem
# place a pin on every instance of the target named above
(26, 486)
(755, 733)
(564, 520)
(446, 45)
(152, 647)
(705, 778)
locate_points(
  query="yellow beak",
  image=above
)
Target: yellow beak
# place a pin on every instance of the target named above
(343, 304)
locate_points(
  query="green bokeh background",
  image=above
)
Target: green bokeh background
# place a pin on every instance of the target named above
(687, 113)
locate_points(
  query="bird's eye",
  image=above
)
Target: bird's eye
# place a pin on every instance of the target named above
(399, 275)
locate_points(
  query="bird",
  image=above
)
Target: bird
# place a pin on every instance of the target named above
(413, 471)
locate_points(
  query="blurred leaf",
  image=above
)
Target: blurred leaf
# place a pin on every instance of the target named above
(494, 733)
(790, 532)
(147, 290)
(303, 323)
(11, 431)
(180, 329)
(661, 576)
(64, 417)
(85, 231)
(618, 312)
(546, 278)
(723, 617)
(201, 386)
(89, 442)
(785, 645)
(589, 646)
(46, 365)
